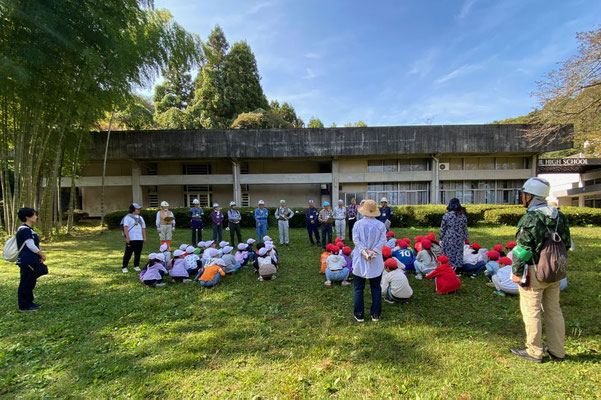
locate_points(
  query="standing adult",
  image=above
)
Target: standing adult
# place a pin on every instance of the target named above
(165, 222)
(217, 218)
(326, 217)
(359, 215)
(196, 221)
(340, 219)
(542, 224)
(311, 216)
(134, 229)
(261, 215)
(30, 259)
(351, 211)
(385, 213)
(369, 237)
(283, 214)
(453, 233)
(234, 218)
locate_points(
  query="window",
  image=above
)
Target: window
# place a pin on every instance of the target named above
(400, 193)
(479, 163)
(414, 164)
(153, 200)
(245, 196)
(348, 196)
(480, 192)
(512, 162)
(197, 169)
(244, 168)
(151, 169)
(405, 164)
(202, 193)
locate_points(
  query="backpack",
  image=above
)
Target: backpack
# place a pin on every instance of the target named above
(553, 260)
(137, 220)
(11, 252)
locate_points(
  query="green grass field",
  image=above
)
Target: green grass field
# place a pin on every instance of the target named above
(102, 334)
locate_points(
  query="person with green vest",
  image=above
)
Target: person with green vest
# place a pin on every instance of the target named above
(283, 214)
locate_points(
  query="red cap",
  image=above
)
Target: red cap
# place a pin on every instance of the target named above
(418, 238)
(431, 236)
(498, 248)
(346, 250)
(505, 261)
(443, 259)
(390, 234)
(467, 241)
(391, 263)
(426, 244)
(399, 242)
(386, 251)
(511, 245)
(331, 248)
(340, 244)
(475, 246)
(337, 240)
(493, 255)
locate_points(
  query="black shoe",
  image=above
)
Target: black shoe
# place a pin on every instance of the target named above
(375, 318)
(554, 358)
(521, 352)
(36, 305)
(30, 308)
(359, 319)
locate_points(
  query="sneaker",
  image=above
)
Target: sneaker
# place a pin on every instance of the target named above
(490, 284)
(137, 269)
(375, 318)
(500, 293)
(328, 283)
(388, 301)
(359, 319)
(260, 279)
(187, 280)
(160, 284)
(473, 276)
(419, 277)
(273, 277)
(554, 358)
(124, 270)
(345, 283)
(522, 353)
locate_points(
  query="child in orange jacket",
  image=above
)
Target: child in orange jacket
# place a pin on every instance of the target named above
(209, 275)
(330, 249)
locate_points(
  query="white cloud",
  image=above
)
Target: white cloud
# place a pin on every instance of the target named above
(463, 70)
(312, 55)
(465, 10)
(424, 65)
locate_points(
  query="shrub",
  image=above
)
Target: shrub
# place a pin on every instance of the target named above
(504, 216)
(579, 216)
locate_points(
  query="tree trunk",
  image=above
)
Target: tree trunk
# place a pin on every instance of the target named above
(106, 151)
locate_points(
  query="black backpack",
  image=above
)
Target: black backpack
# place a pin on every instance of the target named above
(553, 260)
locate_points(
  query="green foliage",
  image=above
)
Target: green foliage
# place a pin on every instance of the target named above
(287, 113)
(315, 123)
(102, 335)
(358, 124)
(137, 114)
(248, 120)
(577, 216)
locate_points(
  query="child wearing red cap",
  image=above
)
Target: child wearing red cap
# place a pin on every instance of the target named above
(445, 279)
(405, 255)
(492, 266)
(473, 262)
(336, 270)
(323, 259)
(499, 248)
(425, 262)
(387, 253)
(395, 286)
(502, 279)
(346, 253)
(418, 244)
(390, 240)
(509, 247)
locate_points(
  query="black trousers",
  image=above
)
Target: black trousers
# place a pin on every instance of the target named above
(326, 235)
(235, 228)
(134, 247)
(351, 223)
(196, 232)
(26, 286)
(312, 229)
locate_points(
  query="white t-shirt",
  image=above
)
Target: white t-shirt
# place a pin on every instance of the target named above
(134, 229)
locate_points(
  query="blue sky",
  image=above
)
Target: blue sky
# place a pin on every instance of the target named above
(399, 62)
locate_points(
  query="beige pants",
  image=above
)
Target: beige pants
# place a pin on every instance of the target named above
(166, 232)
(542, 297)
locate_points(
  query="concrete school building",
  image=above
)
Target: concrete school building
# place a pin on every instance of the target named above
(575, 181)
(406, 164)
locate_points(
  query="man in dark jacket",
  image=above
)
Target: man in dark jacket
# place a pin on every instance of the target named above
(311, 215)
(385, 213)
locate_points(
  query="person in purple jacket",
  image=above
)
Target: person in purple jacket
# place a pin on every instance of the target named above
(217, 218)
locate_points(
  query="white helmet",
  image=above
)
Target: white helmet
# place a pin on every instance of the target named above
(164, 204)
(232, 203)
(384, 200)
(537, 186)
(195, 201)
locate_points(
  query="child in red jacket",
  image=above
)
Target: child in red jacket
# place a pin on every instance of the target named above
(445, 278)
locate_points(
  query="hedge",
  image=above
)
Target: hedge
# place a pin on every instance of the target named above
(402, 216)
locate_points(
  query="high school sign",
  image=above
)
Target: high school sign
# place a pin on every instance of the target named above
(567, 165)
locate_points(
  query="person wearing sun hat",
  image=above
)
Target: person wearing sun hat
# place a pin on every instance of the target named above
(453, 233)
(369, 236)
(261, 215)
(282, 215)
(395, 286)
(499, 248)
(444, 276)
(326, 218)
(473, 263)
(165, 222)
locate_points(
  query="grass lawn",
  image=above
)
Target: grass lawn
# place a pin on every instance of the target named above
(102, 334)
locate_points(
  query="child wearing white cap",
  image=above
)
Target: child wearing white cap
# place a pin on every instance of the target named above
(178, 270)
(231, 265)
(272, 251)
(193, 263)
(241, 255)
(154, 271)
(222, 245)
(166, 252)
(267, 269)
(251, 252)
(209, 275)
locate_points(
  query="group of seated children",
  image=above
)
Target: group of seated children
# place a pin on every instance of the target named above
(204, 264)
(336, 263)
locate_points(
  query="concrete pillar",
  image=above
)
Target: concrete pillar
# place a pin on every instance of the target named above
(136, 189)
(237, 189)
(534, 165)
(581, 201)
(335, 183)
(435, 183)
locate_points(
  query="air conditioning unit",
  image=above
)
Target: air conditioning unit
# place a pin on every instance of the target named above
(444, 166)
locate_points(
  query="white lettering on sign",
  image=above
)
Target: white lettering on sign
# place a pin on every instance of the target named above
(562, 161)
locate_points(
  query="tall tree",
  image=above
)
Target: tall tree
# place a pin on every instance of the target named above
(287, 113)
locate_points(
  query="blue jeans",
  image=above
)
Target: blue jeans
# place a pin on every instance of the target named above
(474, 269)
(232, 269)
(376, 295)
(210, 283)
(261, 231)
(341, 275)
(217, 232)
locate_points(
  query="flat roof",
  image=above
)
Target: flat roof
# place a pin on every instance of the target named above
(325, 142)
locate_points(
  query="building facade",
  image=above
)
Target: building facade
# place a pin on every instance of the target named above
(575, 181)
(405, 164)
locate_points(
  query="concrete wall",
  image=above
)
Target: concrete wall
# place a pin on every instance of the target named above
(115, 198)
